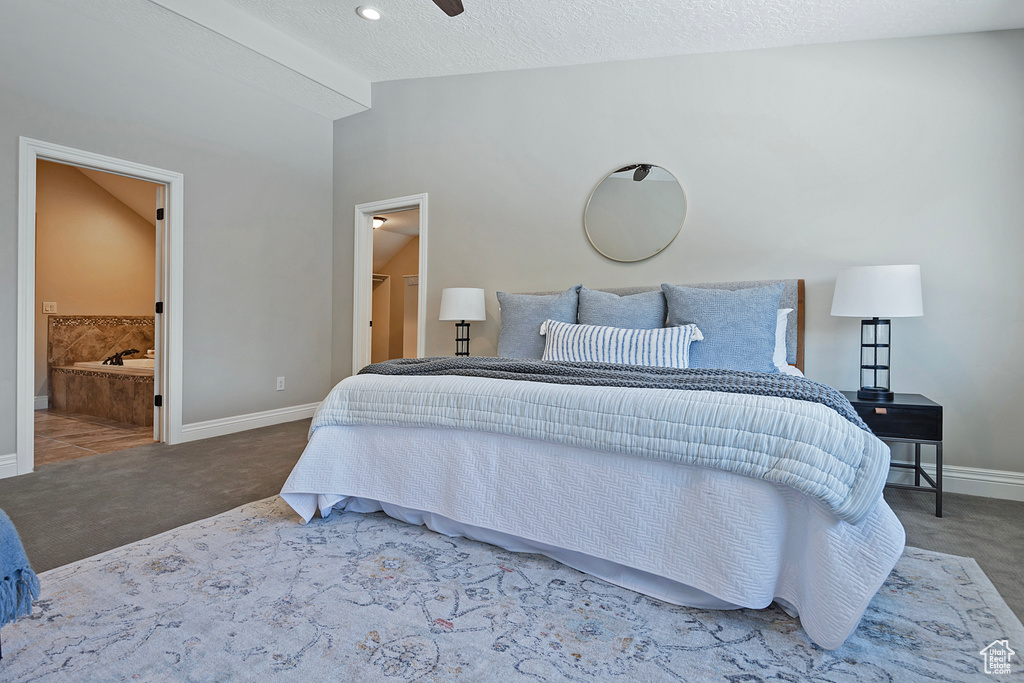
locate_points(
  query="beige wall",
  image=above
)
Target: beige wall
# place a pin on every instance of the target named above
(380, 319)
(796, 162)
(405, 262)
(94, 255)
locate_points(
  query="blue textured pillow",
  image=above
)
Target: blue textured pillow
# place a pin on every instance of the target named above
(644, 311)
(523, 314)
(738, 326)
(665, 346)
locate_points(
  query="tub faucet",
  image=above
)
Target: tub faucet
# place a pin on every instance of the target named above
(117, 358)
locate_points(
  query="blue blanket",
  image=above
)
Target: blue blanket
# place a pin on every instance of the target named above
(18, 583)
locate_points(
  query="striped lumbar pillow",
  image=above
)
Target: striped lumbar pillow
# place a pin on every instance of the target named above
(665, 346)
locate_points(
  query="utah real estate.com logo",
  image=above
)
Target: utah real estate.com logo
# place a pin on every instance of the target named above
(997, 657)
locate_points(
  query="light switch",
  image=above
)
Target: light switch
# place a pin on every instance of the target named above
(49, 307)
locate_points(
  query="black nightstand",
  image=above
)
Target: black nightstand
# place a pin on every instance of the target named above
(909, 418)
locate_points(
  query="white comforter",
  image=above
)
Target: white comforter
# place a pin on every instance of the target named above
(687, 534)
(801, 443)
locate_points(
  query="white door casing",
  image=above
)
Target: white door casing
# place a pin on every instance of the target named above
(169, 285)
(362, 290)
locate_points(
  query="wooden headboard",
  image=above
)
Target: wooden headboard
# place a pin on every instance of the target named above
(792, 297)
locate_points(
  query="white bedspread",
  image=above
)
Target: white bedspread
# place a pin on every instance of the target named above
(801, 443)
(742, 540)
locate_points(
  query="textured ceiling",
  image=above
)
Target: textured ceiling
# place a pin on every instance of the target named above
(415, 39)
(319, 55)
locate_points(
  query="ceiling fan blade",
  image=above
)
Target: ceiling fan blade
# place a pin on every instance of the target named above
(450, 7)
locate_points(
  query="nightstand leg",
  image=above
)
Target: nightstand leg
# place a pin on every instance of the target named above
(938, 480)
(917, 464)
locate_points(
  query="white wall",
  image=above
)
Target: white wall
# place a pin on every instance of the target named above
(796, 162)
(257, 201)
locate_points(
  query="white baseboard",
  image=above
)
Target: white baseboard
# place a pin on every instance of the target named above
(8, 465)
(973, 481)
(241, 423)
(42, 402)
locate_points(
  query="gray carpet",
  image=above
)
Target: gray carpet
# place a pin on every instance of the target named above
(72, 510)
(69, 510)
(250, 595)
(987, 529)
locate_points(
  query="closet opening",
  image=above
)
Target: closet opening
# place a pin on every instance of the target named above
(395, 278)
(389, 286)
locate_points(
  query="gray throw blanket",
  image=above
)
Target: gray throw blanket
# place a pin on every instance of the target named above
(615, 375)
(18, 583)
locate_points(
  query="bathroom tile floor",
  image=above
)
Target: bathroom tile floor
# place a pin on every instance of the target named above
(64, 436)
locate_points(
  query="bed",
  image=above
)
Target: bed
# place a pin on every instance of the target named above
(695, 496)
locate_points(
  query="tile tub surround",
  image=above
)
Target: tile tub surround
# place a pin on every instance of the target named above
(74, 338)
(119, 396)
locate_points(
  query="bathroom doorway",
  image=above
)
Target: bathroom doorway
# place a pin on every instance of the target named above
(95, 322)
(395, 281)
(99, 317)
(390, 236)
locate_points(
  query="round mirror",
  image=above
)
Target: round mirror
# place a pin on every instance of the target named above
(635, 212)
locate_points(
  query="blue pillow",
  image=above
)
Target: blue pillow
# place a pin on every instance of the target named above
(523, 314)
(666, 346)
(738, 326)
(644, 311)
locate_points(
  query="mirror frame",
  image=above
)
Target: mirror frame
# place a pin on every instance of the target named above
(686, 207)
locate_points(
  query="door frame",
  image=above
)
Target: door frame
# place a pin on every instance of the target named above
(170, 249)
(362, 287)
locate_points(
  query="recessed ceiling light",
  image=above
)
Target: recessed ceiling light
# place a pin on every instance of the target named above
(368, 13)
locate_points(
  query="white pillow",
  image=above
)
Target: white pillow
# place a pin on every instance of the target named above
(663, 346)
(780, 337)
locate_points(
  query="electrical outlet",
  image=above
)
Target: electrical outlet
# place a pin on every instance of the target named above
(280, 383)
(49, 307)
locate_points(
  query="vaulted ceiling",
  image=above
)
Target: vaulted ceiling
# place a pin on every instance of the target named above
(389, 239)
(137, 195)
(321, 55)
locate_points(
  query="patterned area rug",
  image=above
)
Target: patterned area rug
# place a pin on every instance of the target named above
(253, 594)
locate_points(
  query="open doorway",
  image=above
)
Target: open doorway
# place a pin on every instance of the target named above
(396, 243)
(95, 322)
(396, 269)
(167, 274)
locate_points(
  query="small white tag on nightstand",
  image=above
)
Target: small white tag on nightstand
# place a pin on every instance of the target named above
(881, 411)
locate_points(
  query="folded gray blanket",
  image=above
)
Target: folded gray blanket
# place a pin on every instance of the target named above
(18, 583)
(615, 375)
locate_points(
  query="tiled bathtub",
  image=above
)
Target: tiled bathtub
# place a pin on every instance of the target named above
(111, 393)
(82, 384)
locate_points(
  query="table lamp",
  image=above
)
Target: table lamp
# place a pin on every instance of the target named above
(462, 304)
(876, 294)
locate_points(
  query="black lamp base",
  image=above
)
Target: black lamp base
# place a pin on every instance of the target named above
(874, 360)
(875, 394)
(462, 338)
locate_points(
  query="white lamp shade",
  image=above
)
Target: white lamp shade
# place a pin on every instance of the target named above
(878, 292)
(462, 303)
